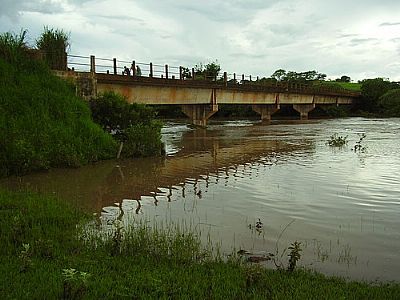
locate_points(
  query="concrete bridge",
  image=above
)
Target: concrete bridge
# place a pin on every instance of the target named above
(199, 97)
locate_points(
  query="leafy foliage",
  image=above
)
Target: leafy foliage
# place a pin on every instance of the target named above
(390, 103)
(372, 90)
(209, 71)
(294, 255)
(282, 75)
(132, 124)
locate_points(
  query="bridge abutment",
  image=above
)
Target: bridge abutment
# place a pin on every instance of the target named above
(303, 109)
(199, 113)
(265, 111)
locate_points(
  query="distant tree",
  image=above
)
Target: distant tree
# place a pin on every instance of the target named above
(209, 71)
(279, 74)
(321, 76)
(372, 90)
(282, 75)
(186, 73)
(344, 78)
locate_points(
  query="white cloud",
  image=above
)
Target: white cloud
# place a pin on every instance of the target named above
(253, 37)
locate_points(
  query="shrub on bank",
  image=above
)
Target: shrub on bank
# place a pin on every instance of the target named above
(131, 124)
(42, 123)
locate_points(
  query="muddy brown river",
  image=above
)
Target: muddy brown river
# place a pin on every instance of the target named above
(342, 205)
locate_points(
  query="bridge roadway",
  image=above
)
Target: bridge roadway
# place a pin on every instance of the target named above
(199, 99)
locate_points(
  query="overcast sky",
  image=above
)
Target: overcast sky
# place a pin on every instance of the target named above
(360, 39)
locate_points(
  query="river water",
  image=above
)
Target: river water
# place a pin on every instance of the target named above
(342, 205)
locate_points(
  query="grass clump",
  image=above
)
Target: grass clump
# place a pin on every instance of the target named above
(137, 261)
(54, 44)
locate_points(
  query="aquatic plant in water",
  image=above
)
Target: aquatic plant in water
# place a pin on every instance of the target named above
(358, 147)
(337, 140)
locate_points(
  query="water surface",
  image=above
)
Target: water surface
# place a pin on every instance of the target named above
(343, 206)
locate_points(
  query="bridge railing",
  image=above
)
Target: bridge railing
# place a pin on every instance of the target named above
(182, 75)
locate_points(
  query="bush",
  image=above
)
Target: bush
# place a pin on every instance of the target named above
(390, 103)
(143, 140)
(132, 124)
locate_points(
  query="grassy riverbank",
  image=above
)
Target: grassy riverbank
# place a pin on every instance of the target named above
(45, 254)
(43, 124)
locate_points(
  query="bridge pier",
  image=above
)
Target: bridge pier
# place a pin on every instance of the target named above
(199, 113)
(303, 109)
(265, 110)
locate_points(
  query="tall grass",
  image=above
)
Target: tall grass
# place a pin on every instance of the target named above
(12, 46)
(54, 43)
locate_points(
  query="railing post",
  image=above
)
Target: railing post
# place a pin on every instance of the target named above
(234, 77)
(166, 71)
(180, 73)
(151, 69)
(133, 67)
(250, 77)
(257, 78)
(225, 78)
(242, 78)
(92, 64)
(192, 73)
(115, 66)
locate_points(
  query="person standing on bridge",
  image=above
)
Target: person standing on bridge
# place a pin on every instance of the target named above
(138, 71)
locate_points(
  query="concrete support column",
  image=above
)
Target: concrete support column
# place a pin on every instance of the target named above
(265, 110)
(199, 113)
(303, 109)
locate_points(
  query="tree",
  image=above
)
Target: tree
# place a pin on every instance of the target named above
(372, 90)
(279, 74)
(390, 103)
(209, 71)
(344, 78)
(186, 73)
(282, 75)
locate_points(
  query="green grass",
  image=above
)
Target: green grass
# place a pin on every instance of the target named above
(351, 86)
(137, 263)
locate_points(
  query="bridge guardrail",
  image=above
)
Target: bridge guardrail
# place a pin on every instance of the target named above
(161, 74)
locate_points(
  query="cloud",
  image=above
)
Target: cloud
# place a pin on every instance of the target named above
(246, 36)
(389, 24)
(362, 41)
(14, 8)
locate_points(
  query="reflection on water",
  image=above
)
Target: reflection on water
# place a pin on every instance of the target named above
(343, 206)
